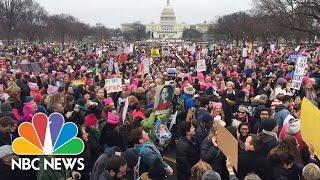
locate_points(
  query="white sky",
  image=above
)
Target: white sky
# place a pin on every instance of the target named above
(113, 13)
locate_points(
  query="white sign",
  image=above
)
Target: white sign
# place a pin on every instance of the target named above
(299, 72)
(113, 85)
(125, 110)
(244, 52)
(272, 47)
(165, 50)
(145, 66)
(201, 65)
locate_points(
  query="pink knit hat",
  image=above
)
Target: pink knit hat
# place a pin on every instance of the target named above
(52, 89)
(108, 101)
(217, 105)
(90, 120)
(112, 118)
(33, 86)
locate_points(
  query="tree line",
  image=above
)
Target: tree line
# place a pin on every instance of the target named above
(28, 21)
(271, 20)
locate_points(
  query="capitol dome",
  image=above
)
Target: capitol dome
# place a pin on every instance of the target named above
(168, 13)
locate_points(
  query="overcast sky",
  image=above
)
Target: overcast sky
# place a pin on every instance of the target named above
(113, 13)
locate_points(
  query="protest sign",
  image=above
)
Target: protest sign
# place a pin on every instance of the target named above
(250, 47)
(201, 65)
(299, 72)
(310, 125)
(125, 110)
(172, 72)
(244, 52)
(228, 145)
(129, 49)
(155, 53)
(145, 66)
(272, 47)
(30, 67)
(78, 82)
(113, 85)
(165, 50)
(293, 57)
(163, 101)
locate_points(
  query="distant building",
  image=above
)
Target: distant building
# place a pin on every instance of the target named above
(203, 27)
(129, 26)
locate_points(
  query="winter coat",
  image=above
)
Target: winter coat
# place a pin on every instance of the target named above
(269, 142)
(187, 155)
(251, 161)
(149, 155)
(281, 113)
(149, 124)
(213, 156)
(112, 137)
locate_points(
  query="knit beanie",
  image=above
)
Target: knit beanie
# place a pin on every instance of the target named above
(90, 120)
(268, 124)
(112, 118)
(293, 126)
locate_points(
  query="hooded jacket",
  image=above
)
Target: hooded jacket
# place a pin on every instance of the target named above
(281, 113)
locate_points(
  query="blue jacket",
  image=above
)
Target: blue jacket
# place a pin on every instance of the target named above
(188, 101)
(149, 154)
(281, 113)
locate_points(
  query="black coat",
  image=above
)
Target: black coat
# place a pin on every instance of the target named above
(187, 155)
(112, 137)
(269, 142)
(213, 156)
(253, 162)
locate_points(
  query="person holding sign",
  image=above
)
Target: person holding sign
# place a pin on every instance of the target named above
(164, 97)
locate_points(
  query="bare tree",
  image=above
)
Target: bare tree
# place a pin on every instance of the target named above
(11, 13)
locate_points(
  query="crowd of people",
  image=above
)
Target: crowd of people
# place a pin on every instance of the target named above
(250, 94)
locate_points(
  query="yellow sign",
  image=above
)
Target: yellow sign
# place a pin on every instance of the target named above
(310, 125)
(155, 52)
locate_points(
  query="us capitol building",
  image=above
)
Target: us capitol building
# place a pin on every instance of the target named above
(168, 27)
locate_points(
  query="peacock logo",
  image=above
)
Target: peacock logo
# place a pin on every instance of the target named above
(48, 136)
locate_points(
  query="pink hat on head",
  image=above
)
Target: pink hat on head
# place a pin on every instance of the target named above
(33, 86)
(112, 118)
(234, 73)
(52, 90)
(90, 120)
(108, 101)
(217, 105)
(209, 85)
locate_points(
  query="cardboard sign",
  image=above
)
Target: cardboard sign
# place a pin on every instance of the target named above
(155, 52)
(78, 82)
(113, 85)
(163, 101)
(310, 124)
(228, 145)
(201, 65)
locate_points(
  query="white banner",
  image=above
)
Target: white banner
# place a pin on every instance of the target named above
(299, 72)
(125, 110)
(113, 85)
(201, 65)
